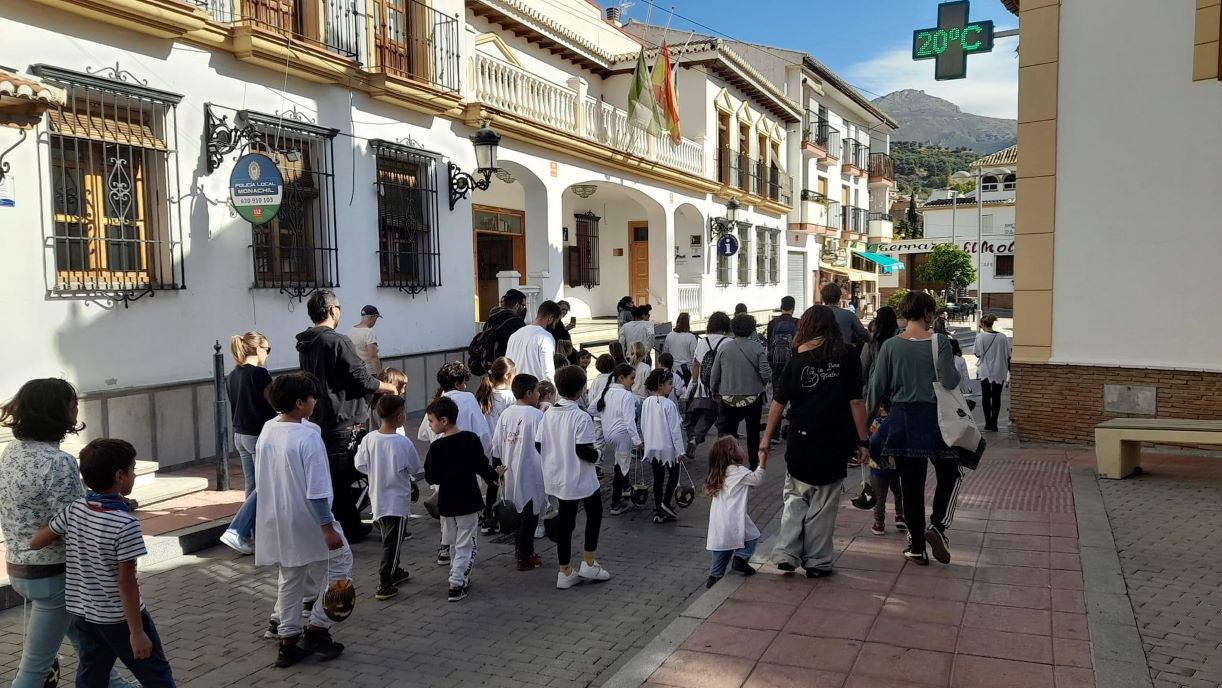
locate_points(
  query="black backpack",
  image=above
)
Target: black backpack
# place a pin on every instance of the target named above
(481, 352)
(706, 365)
(780, 344)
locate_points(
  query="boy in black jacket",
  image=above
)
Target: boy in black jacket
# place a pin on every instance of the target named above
(453, 462)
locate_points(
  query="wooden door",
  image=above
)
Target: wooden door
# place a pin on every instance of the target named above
(638, 262)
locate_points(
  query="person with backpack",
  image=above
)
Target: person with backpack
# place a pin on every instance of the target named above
(491, 342)
(780, 334)
(701, 406)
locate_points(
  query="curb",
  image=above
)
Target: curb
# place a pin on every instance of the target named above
(643, 664)
(1116, 647)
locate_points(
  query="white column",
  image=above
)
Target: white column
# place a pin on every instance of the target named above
(581, 88)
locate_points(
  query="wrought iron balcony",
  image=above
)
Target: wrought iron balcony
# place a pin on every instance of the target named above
(856, 220)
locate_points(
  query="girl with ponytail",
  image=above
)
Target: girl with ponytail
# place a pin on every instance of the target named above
(617, 407)
(248, 411)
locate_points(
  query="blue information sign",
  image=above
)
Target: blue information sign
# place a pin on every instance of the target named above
(727, 245)
(256, 187)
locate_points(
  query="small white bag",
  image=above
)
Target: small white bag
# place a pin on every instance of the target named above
(955, 418)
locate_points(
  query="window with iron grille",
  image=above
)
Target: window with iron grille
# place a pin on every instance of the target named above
(1003, 266)
(723, 262)
(763, 246)
(581, 264)
(744, 254)
(114, 169)
(774, 258)
(409, 253)
(297, 252)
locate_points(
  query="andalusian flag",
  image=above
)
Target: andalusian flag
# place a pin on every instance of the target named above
(664, 94)
(642, 106)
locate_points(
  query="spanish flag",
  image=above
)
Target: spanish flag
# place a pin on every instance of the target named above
(664, 94)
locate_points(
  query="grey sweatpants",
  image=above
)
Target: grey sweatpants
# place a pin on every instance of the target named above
(807, 521)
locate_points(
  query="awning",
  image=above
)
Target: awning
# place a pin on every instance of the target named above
(887, 263)
(853, 275)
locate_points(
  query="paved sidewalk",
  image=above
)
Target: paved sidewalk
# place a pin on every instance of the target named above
(1009, 611)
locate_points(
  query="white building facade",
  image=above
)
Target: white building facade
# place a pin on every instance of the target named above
(125, 260)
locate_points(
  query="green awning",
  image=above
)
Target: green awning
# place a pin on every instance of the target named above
(887, 263)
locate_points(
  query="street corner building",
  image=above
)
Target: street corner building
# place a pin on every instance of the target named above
(420, 156)
(1116, 308)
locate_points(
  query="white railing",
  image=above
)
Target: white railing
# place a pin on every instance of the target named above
(514, 90)
(690, 300)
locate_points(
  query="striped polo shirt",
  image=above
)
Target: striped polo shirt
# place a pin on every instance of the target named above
(96, 541)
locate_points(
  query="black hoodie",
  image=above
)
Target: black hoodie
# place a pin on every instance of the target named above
(332, 357)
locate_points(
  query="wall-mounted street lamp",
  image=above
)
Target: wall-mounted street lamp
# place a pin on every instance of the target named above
(485, 141)
(727, 224)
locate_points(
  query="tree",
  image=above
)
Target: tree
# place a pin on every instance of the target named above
(948, 265)
(914, 229)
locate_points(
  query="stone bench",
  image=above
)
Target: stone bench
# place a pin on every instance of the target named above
(1118, 441)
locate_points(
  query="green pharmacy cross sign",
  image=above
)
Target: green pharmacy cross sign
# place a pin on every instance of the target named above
(952, 40)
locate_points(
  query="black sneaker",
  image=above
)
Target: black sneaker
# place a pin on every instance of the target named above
(918, 558)
(711, 582)
(618, 508)
(443, 556)
(385, 592)
(818, 573)
(400, 576)
(938, 544)
(787, 567)
(489, 528)
(691, 448)
(742, 566)
(668, 510)
(457, 594)
(273, 630)
(319, 642)
(290, 652)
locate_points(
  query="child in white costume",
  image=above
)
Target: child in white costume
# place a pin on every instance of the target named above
(662, 432)
(515, 443)
(617, 407)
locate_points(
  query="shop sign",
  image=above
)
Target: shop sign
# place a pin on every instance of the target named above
(256, 188)
(1003, 247)
(727, 245)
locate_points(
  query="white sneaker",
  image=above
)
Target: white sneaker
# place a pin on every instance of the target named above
(231, 539)
(564, 582)
(594, 573)
(540, 532)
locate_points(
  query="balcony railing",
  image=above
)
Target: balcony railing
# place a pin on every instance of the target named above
(416, 41)
(856, 220)
(831, 144)
(882, 166)
(690, 301)
(817, 130)
(337, 26)
(855, 154)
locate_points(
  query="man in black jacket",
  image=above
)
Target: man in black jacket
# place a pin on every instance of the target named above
(341, 408)
(506, 319)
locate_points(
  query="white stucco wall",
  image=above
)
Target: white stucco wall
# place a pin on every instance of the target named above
(1139, 156)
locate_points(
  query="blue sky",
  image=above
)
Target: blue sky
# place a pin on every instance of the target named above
(866, 42)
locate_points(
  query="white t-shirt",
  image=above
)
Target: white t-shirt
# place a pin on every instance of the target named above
(619, 420)
(532, 349)
(707, 343)
(514, 444)
(361, 338)
(471, 418)
(565, 476)
(501, 400)
(729, 525)
(661, 429)
(290, 469)
(596, 390)
(637, 331)
(638, 385)
(681, 345)
(389, 461)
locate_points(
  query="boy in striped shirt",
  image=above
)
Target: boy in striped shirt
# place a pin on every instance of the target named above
(102, 539)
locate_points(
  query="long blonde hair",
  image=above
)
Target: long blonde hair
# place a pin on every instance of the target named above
(245, 345)
(637, 353)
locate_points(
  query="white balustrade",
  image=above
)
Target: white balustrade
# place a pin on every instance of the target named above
(690, 300)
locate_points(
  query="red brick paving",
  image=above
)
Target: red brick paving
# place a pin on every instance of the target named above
(1008, 611)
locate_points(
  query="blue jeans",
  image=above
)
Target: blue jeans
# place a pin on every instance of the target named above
(721, 558)
(102, 644)
(49, 621)
(244, 521)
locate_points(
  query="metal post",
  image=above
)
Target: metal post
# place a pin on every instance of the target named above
(221, 419)
(979, 239)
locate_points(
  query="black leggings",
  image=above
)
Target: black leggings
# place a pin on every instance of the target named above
(568, 523)
(618, 483)
(528, 520)
(672, 482)
(912, 486)
(990, 396)
(731, 416)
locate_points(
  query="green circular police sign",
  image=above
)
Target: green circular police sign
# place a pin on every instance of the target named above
(256, 187)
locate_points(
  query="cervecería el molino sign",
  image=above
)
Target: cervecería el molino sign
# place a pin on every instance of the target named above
(256, 187)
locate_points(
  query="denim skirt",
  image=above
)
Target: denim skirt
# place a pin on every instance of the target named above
(911, 431)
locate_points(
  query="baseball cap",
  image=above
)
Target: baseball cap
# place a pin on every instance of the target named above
(370, 310)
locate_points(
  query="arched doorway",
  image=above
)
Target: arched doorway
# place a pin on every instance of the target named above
(691, 253)
(501, 217)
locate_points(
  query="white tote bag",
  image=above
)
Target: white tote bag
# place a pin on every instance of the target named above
(955, 418)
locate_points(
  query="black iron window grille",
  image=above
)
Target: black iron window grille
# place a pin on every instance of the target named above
(416, 41)
(409, 247)
(762, 251)
(774, 258)
(744, 254)
(581, 259)
(297, 252)
(114, 170)
(723, 261)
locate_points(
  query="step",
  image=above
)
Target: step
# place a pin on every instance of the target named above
(146, 471)
(167, 487)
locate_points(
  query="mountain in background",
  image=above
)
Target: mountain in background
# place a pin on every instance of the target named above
(930, 120)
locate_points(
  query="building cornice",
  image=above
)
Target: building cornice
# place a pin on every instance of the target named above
(159, 18)
(521, 19)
